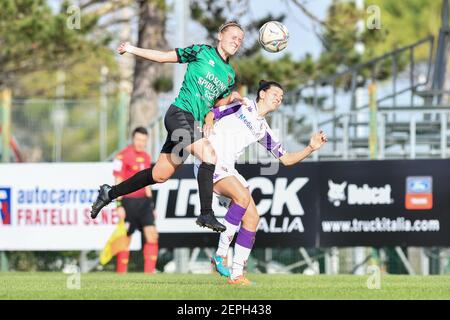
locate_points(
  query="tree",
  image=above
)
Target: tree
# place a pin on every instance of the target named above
(151, 30)
(407, 22)
(148, 77)
(401, 24)
(250, 65)
(33, 38)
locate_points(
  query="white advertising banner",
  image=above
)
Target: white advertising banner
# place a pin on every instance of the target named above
(47, 206)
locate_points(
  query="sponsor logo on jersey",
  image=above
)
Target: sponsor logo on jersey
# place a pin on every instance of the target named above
(212, 63)
(247, 123)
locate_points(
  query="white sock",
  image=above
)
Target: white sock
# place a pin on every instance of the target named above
(241, 255)
(242, 249)
(225, 238)
(231, 221)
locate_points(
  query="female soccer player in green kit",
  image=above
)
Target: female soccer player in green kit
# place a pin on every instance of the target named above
(208, 81)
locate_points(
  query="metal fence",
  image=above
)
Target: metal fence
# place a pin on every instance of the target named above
(66, 130)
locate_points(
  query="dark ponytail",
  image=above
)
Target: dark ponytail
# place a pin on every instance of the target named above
(265, 85)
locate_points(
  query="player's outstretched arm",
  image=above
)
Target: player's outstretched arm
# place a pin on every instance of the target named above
(315, 143)
(152, 55)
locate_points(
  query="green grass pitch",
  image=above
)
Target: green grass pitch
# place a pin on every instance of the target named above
(104, 285)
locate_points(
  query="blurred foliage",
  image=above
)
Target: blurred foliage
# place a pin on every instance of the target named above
(212, 14)
(31, 261)
(163, 84)
(82, 79)
(290, 73)
(41, 261)
(341, 37)
(38, 42)
(405, 22)
(345, 34)
(35, 38)
(338, 36)
(80, 129)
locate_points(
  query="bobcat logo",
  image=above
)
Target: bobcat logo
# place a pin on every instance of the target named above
(336, 192)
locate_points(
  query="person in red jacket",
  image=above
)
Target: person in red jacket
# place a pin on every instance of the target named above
(136, 207)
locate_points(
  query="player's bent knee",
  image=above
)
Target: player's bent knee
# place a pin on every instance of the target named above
(251, 220)
(210, 158)
(213, 156)
(160, 178)
(254, 217)
(242, 199)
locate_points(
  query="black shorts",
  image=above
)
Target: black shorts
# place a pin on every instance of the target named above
(182, 130)
(138, 213)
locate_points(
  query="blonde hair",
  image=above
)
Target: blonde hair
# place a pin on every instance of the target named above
(229, 24)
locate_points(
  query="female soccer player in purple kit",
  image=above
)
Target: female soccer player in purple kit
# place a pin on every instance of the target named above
(242, 124)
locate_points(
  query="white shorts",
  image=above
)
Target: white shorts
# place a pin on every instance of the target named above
(223, 171)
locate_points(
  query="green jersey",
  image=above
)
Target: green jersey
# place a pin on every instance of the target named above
(208, 77)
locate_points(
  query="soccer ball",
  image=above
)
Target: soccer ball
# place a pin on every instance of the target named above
(273, 36)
